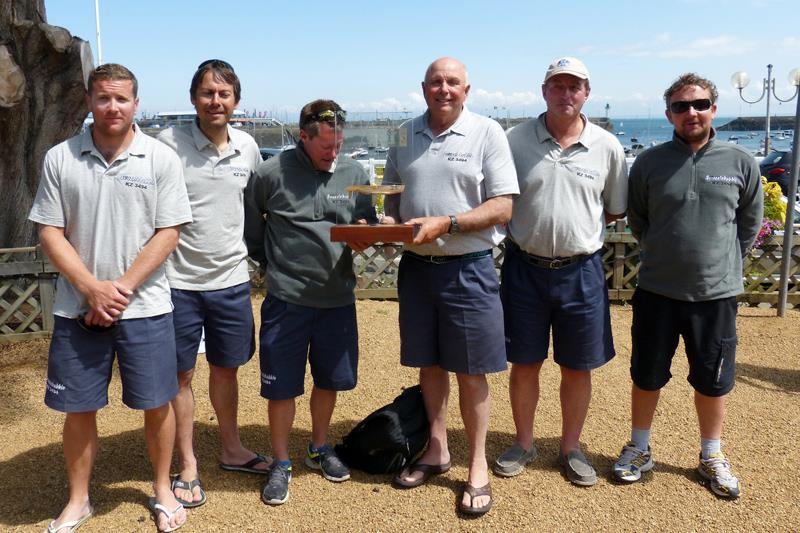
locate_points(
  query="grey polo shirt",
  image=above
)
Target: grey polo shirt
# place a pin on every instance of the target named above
(564, 193)
(211, 254)
(451, 173)
(109, 212)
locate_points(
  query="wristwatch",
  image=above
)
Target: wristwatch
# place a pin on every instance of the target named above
(453, 225)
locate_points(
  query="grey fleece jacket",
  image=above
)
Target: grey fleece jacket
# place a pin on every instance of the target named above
(695, 216)
(289, 210)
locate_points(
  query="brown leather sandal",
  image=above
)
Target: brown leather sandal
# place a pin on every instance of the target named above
(474, 492)
(427, 471)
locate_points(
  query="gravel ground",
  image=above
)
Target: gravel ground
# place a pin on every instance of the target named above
(760, 435)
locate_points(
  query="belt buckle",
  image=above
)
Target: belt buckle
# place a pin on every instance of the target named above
(438, 259)
(555, 264)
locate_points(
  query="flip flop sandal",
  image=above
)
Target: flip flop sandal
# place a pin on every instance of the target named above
(474, 492)
(73, 525)
(249, 466)
(427, 471)
(178, 483)
(157, 508)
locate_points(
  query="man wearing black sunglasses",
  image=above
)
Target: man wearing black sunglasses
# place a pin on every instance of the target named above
(208, 272)
(695, 206)
(309, 314)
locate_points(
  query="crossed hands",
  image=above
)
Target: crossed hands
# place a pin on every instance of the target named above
(107, 300)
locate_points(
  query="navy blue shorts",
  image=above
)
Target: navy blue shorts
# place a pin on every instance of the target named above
(709, 335)
(79, 364)
(227, 317)
(450, 315)
(572, 300)
(293, 334)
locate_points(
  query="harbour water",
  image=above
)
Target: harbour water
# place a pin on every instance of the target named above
(645, 132)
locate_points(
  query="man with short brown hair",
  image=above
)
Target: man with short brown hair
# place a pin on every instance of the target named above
(695, 206)
(109, 208)
(208, 272)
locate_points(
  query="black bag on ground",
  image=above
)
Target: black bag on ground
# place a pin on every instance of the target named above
(389, 438)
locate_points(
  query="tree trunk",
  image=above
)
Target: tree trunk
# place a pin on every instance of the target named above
(43, 71)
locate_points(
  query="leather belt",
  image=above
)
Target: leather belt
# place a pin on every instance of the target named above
(550, 263)
(439, 259)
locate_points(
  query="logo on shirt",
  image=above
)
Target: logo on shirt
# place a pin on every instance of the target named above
(725, 180)
(587, 173)
(240, 172)
(339, 199)
(137, 182)
(458, 157)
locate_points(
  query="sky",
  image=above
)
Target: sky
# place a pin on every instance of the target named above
(370, 56)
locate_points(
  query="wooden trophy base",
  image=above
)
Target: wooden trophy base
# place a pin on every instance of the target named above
(364, 233)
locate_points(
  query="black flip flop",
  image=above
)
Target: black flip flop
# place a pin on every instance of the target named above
(178, 483)
(249, 466)
(428, 471)
(474, 492)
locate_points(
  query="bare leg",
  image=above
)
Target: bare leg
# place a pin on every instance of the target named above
(223, 390)
(281, 418)
(576, 393)
(183, 405)
(159, 434)
(643, 407)
(80, 450)
(524, 392)
(475, 404)
(435, 384)
(322, 403)
(710, 415)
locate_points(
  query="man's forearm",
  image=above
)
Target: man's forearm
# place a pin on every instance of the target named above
(154, 253)
(495, 210)
(65, 258)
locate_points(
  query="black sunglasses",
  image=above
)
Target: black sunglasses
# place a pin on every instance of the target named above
(682, 106)
(215, 63)
(94, 328)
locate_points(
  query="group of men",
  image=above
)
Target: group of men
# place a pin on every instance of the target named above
(151, 239)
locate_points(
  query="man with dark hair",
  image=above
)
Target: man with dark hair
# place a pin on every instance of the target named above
(695, 205)
(208, 272)
(573, 181)
(459, 182)
(309, 313)
(109, 207)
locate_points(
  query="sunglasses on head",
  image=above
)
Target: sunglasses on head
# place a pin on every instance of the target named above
(682, 106)
(215, 63)
(329, 115)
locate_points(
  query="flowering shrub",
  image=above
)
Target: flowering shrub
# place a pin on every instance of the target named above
(774, 211)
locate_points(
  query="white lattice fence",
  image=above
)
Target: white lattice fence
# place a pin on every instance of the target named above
(26, 294)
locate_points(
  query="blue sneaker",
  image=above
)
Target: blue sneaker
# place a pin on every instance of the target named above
(276, 489)
(326, 460)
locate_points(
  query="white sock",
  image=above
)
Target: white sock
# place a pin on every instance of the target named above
(709, 446)
(641, 438)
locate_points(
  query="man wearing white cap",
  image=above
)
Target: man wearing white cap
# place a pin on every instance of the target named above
(573, 181)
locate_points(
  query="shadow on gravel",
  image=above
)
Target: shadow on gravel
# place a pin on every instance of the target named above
(787, 380)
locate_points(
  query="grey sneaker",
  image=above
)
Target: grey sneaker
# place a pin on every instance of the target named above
(717, 471)
(512, 461)
(577, 469)
(276, 489)
(632, 462)
(326, 460)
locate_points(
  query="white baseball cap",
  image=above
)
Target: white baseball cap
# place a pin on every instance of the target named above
(567, 65)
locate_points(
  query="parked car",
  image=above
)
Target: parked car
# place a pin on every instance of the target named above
(776, 167)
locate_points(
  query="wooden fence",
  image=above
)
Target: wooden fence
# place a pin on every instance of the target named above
(27, 279)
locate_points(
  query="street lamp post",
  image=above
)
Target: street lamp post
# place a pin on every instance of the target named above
(739, 81)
